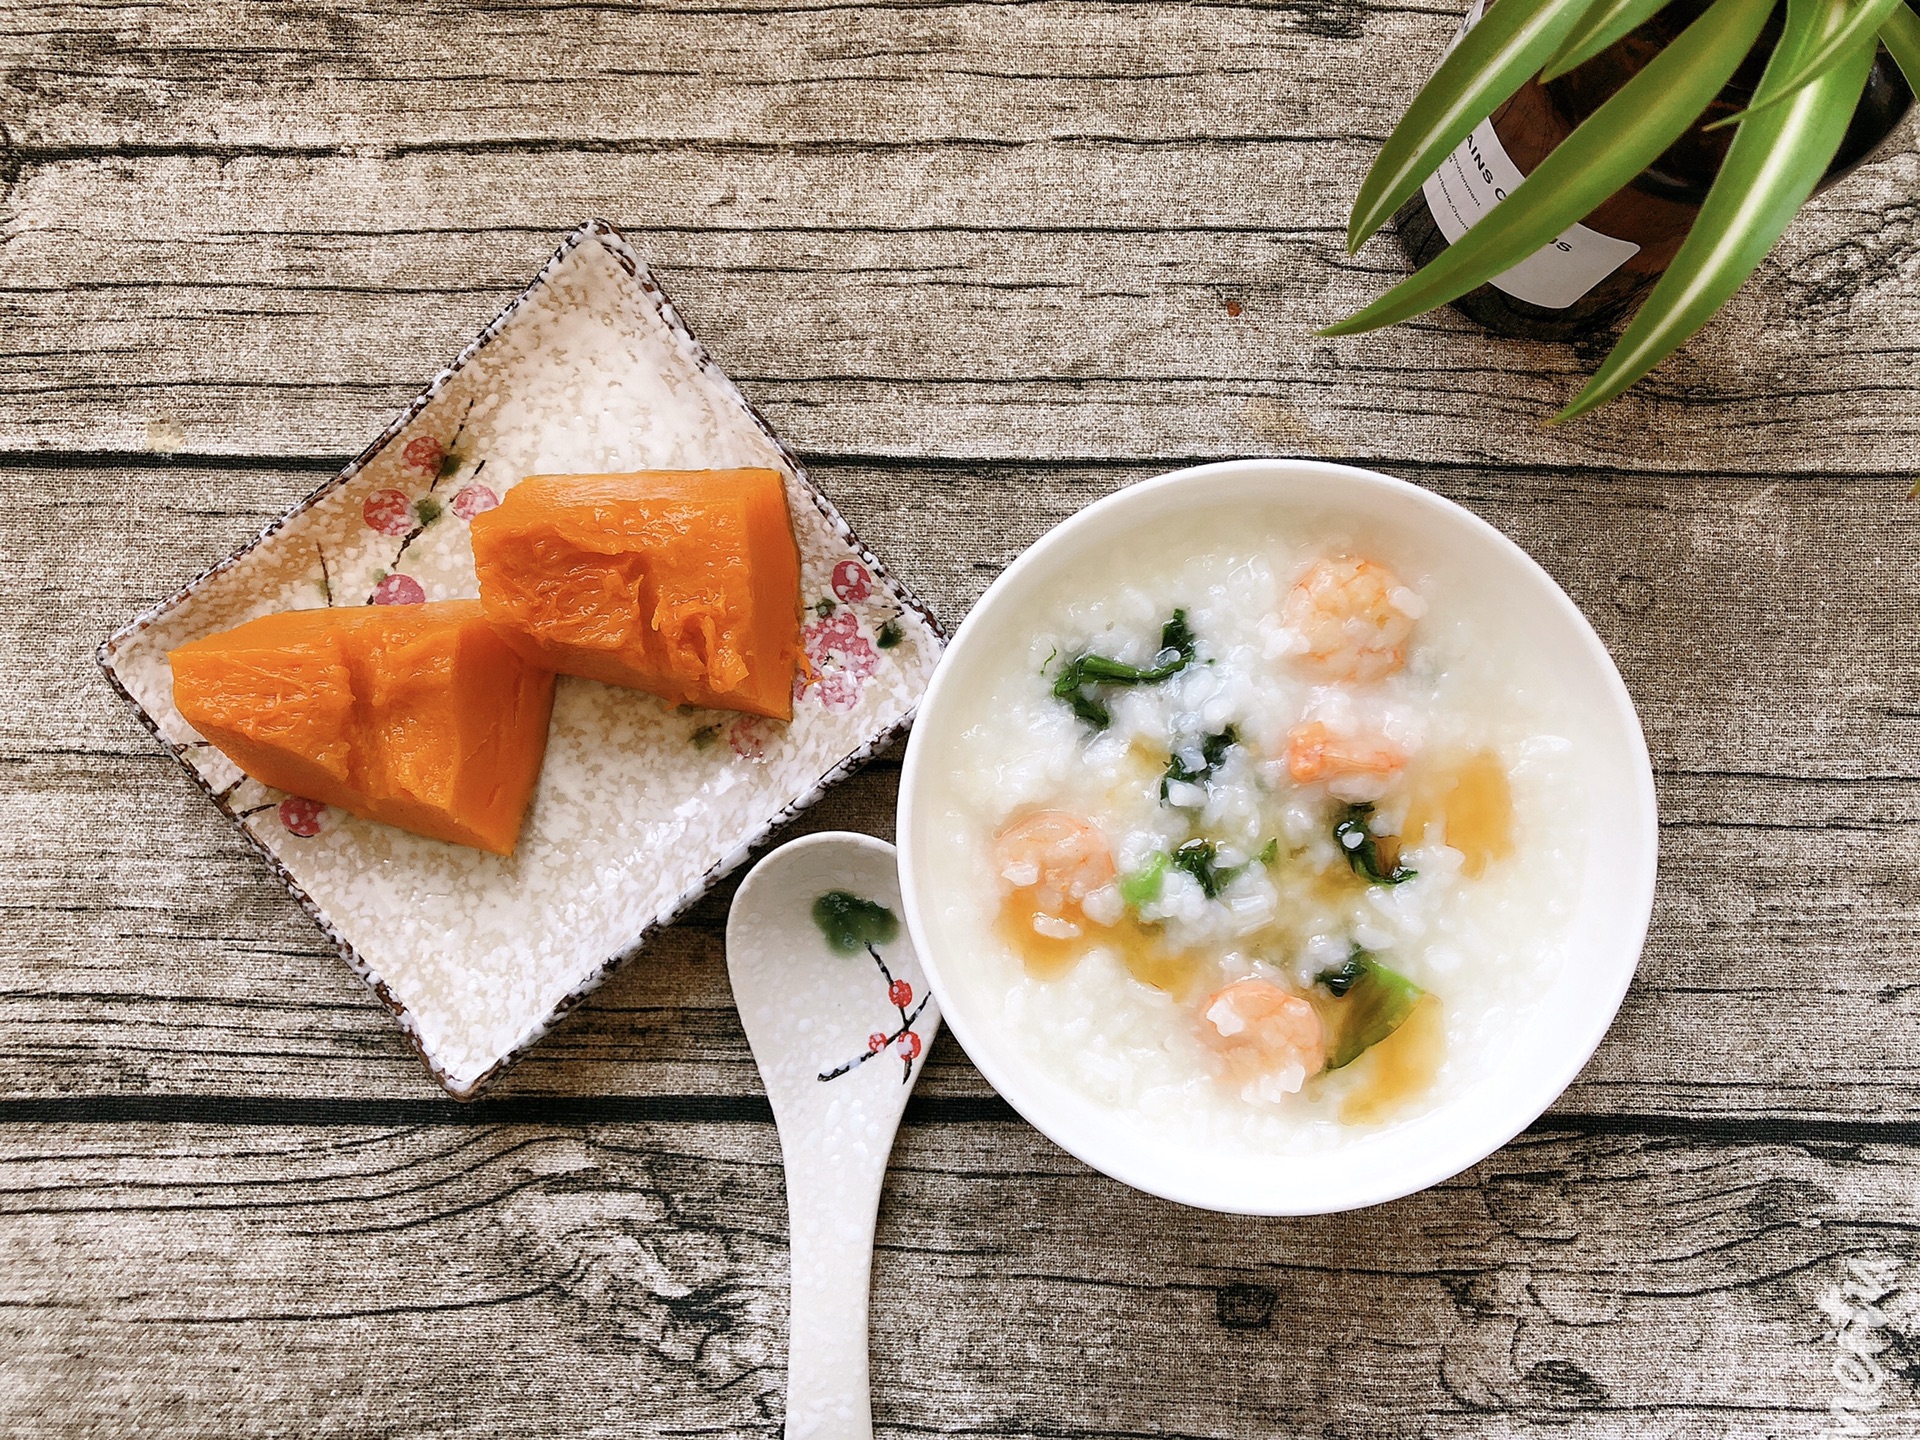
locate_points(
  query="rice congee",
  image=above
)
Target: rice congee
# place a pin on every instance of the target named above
(1253, 841)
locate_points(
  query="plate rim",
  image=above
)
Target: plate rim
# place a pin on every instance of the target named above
(609, 236)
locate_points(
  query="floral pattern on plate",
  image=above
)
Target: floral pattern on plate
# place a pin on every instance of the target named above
(641, 806)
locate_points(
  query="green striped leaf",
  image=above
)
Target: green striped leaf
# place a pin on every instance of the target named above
(1605, 23)
(1776, 159)
(1860, 22)
(1616, 142)
(1901, 36)
(1492, 60)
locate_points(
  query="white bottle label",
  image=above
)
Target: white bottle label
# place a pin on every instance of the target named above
(1478, 176)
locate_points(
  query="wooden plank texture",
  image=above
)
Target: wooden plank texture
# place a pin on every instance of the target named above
(955, 230)
(620, 1279)
(149, 951)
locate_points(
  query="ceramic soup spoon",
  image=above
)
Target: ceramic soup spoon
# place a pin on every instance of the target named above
(839, 1016)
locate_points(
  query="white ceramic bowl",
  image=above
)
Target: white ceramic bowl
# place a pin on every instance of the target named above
(1557, 648)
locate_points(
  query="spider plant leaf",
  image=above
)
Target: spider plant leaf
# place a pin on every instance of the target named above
(1861, 21)
(1492, 60)
(1776, 159)
(1603, 24)
(1613, 145)
(1901, 36)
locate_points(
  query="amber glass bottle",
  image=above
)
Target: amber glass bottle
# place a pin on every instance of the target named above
(1597, 272)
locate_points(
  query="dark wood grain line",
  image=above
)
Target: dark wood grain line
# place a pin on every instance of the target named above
(571, 1111)
(28, 157)
(509, 1110)
(821, 463)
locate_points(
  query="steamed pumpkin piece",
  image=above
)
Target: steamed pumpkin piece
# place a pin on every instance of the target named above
(683, 583)
(420, 716)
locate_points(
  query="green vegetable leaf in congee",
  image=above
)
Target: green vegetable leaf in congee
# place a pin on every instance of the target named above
(1082, 678)
(1353, 833)
(1369, 1003)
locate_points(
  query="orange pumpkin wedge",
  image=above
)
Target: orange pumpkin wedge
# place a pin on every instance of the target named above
(417, 715)
(683, 583)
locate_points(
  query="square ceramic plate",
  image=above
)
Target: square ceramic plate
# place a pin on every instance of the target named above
(641, 806)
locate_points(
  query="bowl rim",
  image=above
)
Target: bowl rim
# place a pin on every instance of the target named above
(1581, 1042)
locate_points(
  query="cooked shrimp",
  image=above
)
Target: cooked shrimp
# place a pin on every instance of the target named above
(1049, 863)
(1270, 1039)
(1354, 617)
(1356, 766)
